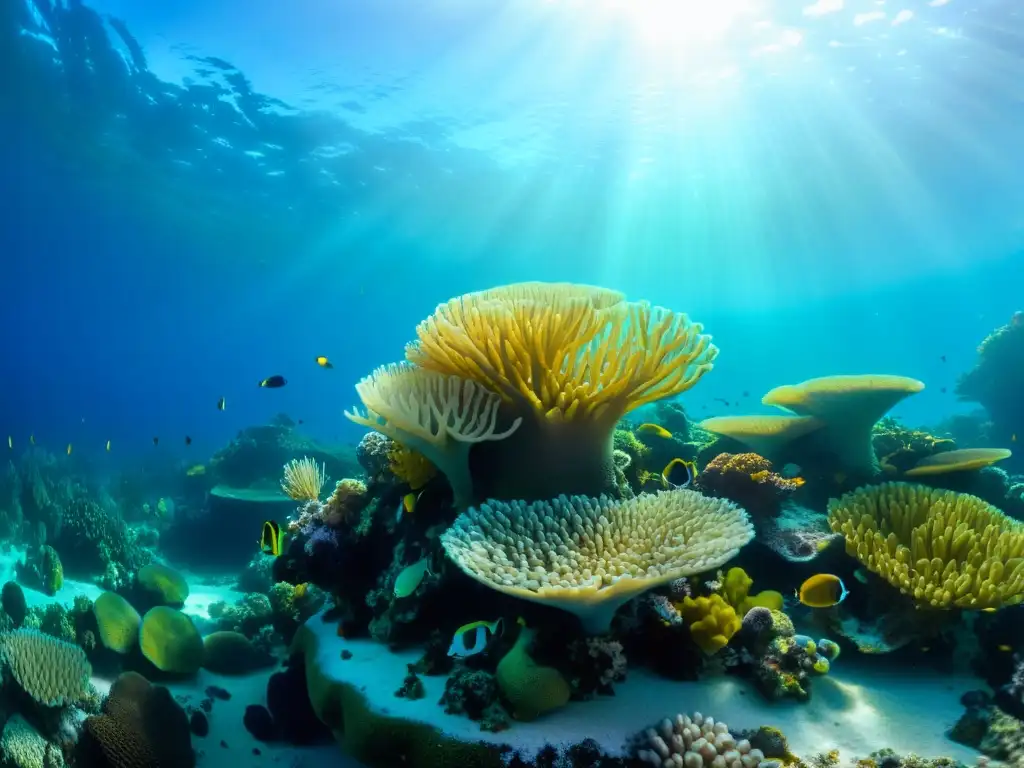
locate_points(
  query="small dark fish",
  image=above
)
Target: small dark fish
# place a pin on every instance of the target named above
(274, 382)
(301, 421)
(188, 440)
(943, 390)
(156, 441)
(722, 400)
(221, 404)
(746, 393)
(942, 358)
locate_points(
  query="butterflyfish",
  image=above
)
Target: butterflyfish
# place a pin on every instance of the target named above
(653, 429)
(273, 382)
(411, 577)
(221, 404)
(270, 539)
(407, 505)
(69, 449)
(323, 362)
(823, 590)
(108, 446)
(678, 473)
(471, 639)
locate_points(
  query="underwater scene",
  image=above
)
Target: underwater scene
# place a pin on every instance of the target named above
(527, 383)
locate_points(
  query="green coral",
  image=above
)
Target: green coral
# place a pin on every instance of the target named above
(164, 584)
(530, 688)
(626, 441)
(231, 653)
(21, 746)
(118, 622)
(170, 641)
(53, 672)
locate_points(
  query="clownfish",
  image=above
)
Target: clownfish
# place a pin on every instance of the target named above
(471, 639)
(270, 538)
(678, 474)
(823, 590)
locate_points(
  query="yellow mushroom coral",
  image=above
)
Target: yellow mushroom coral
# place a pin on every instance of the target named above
(570, 361)
(589, 556)
(944, 549)
(764, 435)
(439, 416)
(849, 406)
(962, 460)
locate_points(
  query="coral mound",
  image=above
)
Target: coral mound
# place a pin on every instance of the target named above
(697, 742)
(589, 556)
(51, 671)
(944, 549)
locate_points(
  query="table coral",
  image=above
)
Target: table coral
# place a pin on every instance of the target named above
(590, 556)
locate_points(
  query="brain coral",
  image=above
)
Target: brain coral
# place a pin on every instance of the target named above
(164, 583)
(171, 641)
(118, 622)
(51, 671)
(589, 556)
(945, 549)
(141, 726)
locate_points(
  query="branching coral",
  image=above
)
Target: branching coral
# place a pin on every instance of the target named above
(944, 549)
(438, 415)
(589, 556)
(303, 479)
(570, 361)
(748, 480)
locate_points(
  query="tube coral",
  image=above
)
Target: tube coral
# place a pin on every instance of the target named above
(589, 556)
(570, 361)
(303, 479)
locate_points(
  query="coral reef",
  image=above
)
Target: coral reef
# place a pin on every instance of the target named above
(53, 672)
(748, 480)
(170, 641)
(694, 742)
(590, 556)
(787, 666)
(118, 622)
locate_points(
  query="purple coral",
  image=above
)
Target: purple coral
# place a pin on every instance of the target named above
(319, 537)
(372, 453)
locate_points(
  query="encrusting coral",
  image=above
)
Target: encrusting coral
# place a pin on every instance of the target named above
(567, 360)
(944, 549)
(440, 416)
(589, 556)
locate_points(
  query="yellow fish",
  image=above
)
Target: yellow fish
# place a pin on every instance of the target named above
(1004, 648)
(653, 429)
(270, 539)
(989, 610)
(108, 446)
(69, 449)
(411, 577)
(678, 473)
(323, 362)
(823, 590)
(198, 469)
(471, 639)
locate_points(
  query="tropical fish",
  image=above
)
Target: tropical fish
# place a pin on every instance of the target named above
(471, 639)
(411, 577)
(196, 470)
(409, 502)
(678, 473)
(108, 446)
(823, 590)
(69, 449)
(653, 429)
(1004, 648)
(270, 538)
(221, 404)
(323, 362)
(274, 382)
(156, 441)
(188, 440)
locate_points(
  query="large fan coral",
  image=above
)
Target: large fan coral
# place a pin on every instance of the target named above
(944, 549)
(570, 361)
(589, 556)
(438, 415)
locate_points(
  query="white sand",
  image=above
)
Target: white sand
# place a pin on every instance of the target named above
(853, 709)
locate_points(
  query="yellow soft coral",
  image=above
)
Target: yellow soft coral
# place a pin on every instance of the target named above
(570, 361)
(303, 479)
(712, 621)
(944, 549)
(411, 467)
(736, 587)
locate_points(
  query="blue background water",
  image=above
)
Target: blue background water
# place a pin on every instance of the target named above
(828, 193)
